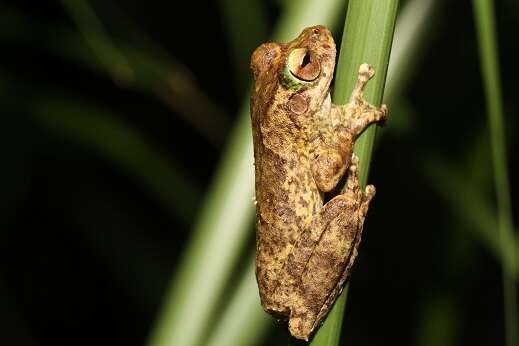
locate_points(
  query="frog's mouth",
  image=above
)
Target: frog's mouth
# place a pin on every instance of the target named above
(302, 68)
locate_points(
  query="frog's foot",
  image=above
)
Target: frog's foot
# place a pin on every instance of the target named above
(365, 199)
(364, 115)
(352, 183)
(366, 72)
(301, 323)
(361, 113)
(352, 186)
(369, 193)
(354, 162)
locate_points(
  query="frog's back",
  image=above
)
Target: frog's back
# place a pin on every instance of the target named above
(286, 195)
(279, 218)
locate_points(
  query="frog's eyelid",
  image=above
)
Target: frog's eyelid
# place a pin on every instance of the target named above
(299, 79)
(290, 81)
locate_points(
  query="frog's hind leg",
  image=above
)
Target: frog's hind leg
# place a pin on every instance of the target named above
(332, 257)
(352, 186)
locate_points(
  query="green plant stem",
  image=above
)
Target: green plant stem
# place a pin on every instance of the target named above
(487, 38)
(367, 38)
(409, 47)
(439, 323)
(469, 204)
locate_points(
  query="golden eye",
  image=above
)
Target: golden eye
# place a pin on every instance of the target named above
(303, 65)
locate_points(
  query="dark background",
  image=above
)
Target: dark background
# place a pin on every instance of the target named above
(87, 248)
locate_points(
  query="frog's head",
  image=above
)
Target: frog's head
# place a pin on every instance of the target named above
(308, 69)
(296, 74)
(304, 63)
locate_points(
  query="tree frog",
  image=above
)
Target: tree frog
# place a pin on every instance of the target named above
(307, 232)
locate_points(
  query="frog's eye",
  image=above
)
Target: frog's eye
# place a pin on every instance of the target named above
(303, 65)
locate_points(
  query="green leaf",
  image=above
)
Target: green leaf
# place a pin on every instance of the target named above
(487, 39)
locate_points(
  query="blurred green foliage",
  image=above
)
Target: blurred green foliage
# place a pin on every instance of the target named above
(123, 170)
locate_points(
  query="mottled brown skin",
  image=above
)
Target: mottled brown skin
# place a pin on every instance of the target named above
(303, 145)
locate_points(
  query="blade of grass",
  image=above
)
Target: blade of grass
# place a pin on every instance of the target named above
(243, 322)
(226, 217)
(153, 70)
(239, 17)
(409, 47)
(298, 15)
(488, 50)
(139, 64)
(218, 235)
(93, 31)
(123, 145)
(468, 202)
(439, 322)
(367, 38)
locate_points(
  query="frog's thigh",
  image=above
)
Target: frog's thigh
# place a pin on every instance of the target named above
(326, 266)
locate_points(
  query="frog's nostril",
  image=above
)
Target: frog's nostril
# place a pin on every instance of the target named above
(303, 64)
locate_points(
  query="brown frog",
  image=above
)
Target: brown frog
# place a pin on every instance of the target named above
(306, 242)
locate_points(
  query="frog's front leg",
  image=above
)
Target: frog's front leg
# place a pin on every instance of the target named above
(323, 257)
(358, 113)
(334, 146)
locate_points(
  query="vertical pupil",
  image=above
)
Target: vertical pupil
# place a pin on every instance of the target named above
(306, 60)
